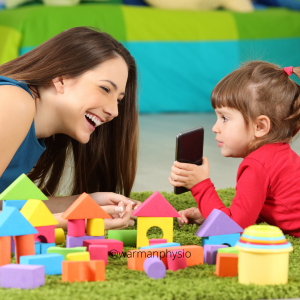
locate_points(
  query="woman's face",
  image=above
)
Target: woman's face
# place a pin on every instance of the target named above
(92, 99)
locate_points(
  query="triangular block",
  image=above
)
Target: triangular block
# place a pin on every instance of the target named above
(156, 206)
(22, 189)
(218, 223)
(38, 214)
(13, 223)
(85, 207)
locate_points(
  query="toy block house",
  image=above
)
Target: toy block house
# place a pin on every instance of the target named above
(219, 229)
(14, 224)
(85, 207)
(154, 211)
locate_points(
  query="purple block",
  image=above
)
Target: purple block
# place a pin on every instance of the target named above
(218, 223)
(154, 267)
(13, 246)
(72, 241)
(22, 276)
(210, 253)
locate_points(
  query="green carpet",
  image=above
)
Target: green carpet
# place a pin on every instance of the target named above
(198, 282)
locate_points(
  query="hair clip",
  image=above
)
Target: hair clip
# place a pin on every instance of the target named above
(288, 70)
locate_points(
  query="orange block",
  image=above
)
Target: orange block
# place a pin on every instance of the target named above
(93, 270)
(136, 258)
(5, 248)
(227, 265)
(85, 207)
(24, 245)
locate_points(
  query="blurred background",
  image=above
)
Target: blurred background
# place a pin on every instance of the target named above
(182, 49)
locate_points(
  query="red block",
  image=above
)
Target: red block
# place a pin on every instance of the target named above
(24, 246)
(227, 265)
(114, 246)
(46, 234)
(76, 228)
(156, 241)
(99, 252)
(5, 246)
(176, 260)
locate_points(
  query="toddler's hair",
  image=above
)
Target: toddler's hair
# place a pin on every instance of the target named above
(261, 88)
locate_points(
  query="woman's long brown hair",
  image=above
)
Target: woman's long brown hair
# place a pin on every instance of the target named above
(108, 162)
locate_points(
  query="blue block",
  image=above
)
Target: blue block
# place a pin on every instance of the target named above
(14, 203)
(37, 248)
(229, 239)
(45, 246)
(52, 262)
(163, 245)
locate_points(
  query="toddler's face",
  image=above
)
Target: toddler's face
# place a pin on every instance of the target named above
(232, 134)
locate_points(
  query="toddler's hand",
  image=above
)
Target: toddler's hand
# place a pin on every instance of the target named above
(190, 216)
(188, 175)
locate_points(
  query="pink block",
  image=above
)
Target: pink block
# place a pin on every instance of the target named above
(156, 241)
(76, 228)
(176, 260)
(114, 246)
(99, 252)
(46, 234)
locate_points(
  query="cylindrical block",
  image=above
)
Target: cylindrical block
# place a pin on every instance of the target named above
(5, 247)
(154, 267)
(59, 236)
(95, 227)
(76, 228)
(24, 246)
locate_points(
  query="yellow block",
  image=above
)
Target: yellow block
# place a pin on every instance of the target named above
(37, 213)
(95, 227)
(60, 237)
(79, 256)
(145, 223)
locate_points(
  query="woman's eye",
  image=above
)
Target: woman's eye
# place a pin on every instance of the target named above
(105, 89)
(120, 101)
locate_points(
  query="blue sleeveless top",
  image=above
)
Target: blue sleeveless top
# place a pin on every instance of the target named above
(29, 151)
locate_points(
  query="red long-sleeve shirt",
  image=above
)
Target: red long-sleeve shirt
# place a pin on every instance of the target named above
(267, 190)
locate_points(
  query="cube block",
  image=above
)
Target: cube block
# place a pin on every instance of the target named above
(227, 265)
(99, 252)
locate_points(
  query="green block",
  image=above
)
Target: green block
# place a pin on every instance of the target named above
(151, 24)
(128, 237)
(22, 189)
(65, 251)
(229, 250)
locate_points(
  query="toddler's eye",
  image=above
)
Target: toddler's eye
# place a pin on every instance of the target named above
(105, 89)
(224, 118)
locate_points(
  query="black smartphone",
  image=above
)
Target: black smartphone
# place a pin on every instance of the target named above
(189, 149)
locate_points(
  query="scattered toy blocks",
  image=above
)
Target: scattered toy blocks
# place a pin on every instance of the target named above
(229, 239)
(99, 252)
(114, 246)
(5, 247)
(161, 245)
(154, 268)
(80, 271)
(227, 265)
(24, 246)
(229, 250)
(60, 237)
(128, 237)
(72, 242)
(79, 256)
(176, 260)
(52, 262)
(210, 253)
(65, 251)
(156, 241)
(76, 228)
(22, 276)
(46, 234)
(95, 227)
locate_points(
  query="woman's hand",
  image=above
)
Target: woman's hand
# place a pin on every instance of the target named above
(190, 216)
(188, 175)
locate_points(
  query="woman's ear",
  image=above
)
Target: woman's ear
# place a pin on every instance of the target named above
(59, 84)
(262, 126)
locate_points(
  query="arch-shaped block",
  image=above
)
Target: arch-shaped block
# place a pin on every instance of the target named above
(145, 223)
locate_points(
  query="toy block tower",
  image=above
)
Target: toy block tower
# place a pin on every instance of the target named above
(85, 207)
(13, 223)
(155, 211)
(219, 229)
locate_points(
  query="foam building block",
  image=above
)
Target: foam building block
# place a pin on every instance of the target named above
(14, 203)
(24, 246)
(65, 251)
(128, 237)
(95, 227)
(80, 271)
(229, 250)
(210, 253)
(79, 256)
(22, 276)
(99, 252)
(176, 260)
(136, 258)
(154, 268)
(156, 241)
(5, 247)
(46, 246)
(22, 189)
(37, 248)
(161, 245)
(76, 228)
(59, 236)
(52, 262)
(227, 265)
(46, 234)
(228, 239)
(114, 246)
(13, 245)
(72, 242)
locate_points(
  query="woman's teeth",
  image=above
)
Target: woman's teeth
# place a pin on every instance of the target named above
(94, 119)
